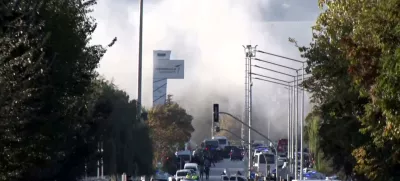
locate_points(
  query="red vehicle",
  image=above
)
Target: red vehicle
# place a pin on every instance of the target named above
(283, 145)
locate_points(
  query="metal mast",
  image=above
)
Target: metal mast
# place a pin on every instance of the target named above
(250, 52)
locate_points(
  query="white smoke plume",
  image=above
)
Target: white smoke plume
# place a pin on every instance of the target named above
(208, 35)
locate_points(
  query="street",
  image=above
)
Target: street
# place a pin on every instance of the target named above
(231, 166)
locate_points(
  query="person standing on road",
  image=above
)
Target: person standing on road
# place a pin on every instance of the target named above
(207, 165)
(213, 159)
(201, 170)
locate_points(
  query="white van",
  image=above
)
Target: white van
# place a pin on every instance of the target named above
(262, 161)
(222, 141)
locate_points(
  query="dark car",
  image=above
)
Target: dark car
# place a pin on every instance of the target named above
(236, 154)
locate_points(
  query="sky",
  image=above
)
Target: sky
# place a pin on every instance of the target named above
(208, 35)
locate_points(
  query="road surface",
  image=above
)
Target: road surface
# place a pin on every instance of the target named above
(232, 166)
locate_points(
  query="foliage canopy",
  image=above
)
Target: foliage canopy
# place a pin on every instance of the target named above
(354, 60)
(53, 109)
(171, 127)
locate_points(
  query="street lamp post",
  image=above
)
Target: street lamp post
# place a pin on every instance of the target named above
(139, 98)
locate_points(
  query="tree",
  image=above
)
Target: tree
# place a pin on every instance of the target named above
(127, 143)
(372, 48)
(353, 60)
(170, 125)
(337, 102)
(46, 74)
(368, 38)
(312, 137)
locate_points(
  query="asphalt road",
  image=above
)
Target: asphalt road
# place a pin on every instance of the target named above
(231, 166)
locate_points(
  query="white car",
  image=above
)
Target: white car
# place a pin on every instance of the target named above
(181, 174)
(192, 166)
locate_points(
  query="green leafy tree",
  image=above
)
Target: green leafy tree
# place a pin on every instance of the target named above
(170, 125)
(46, 74)
(312, 137)
(353, 60)
(337, 101)
(127, 143)
(367, 34)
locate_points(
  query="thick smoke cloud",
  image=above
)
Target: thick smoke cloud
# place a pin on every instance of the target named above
(208, 35)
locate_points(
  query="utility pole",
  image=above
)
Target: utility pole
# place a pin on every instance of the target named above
(246, 92)
(139, 98)
(302, 128)
(250, 52)
(296, 130)
(289, 127)
(294, 116)
(242, 132)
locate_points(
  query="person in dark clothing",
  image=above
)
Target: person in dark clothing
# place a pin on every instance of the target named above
(212, 160)
(207, 165)
(182, 164)
(201, 170)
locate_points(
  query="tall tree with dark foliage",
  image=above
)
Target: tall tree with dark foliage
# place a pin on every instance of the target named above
(47, 70)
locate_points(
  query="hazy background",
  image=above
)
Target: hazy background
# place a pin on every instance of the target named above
(208, 35)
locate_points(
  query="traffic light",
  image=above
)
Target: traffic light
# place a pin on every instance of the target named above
(217, 129)
(216, 113)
